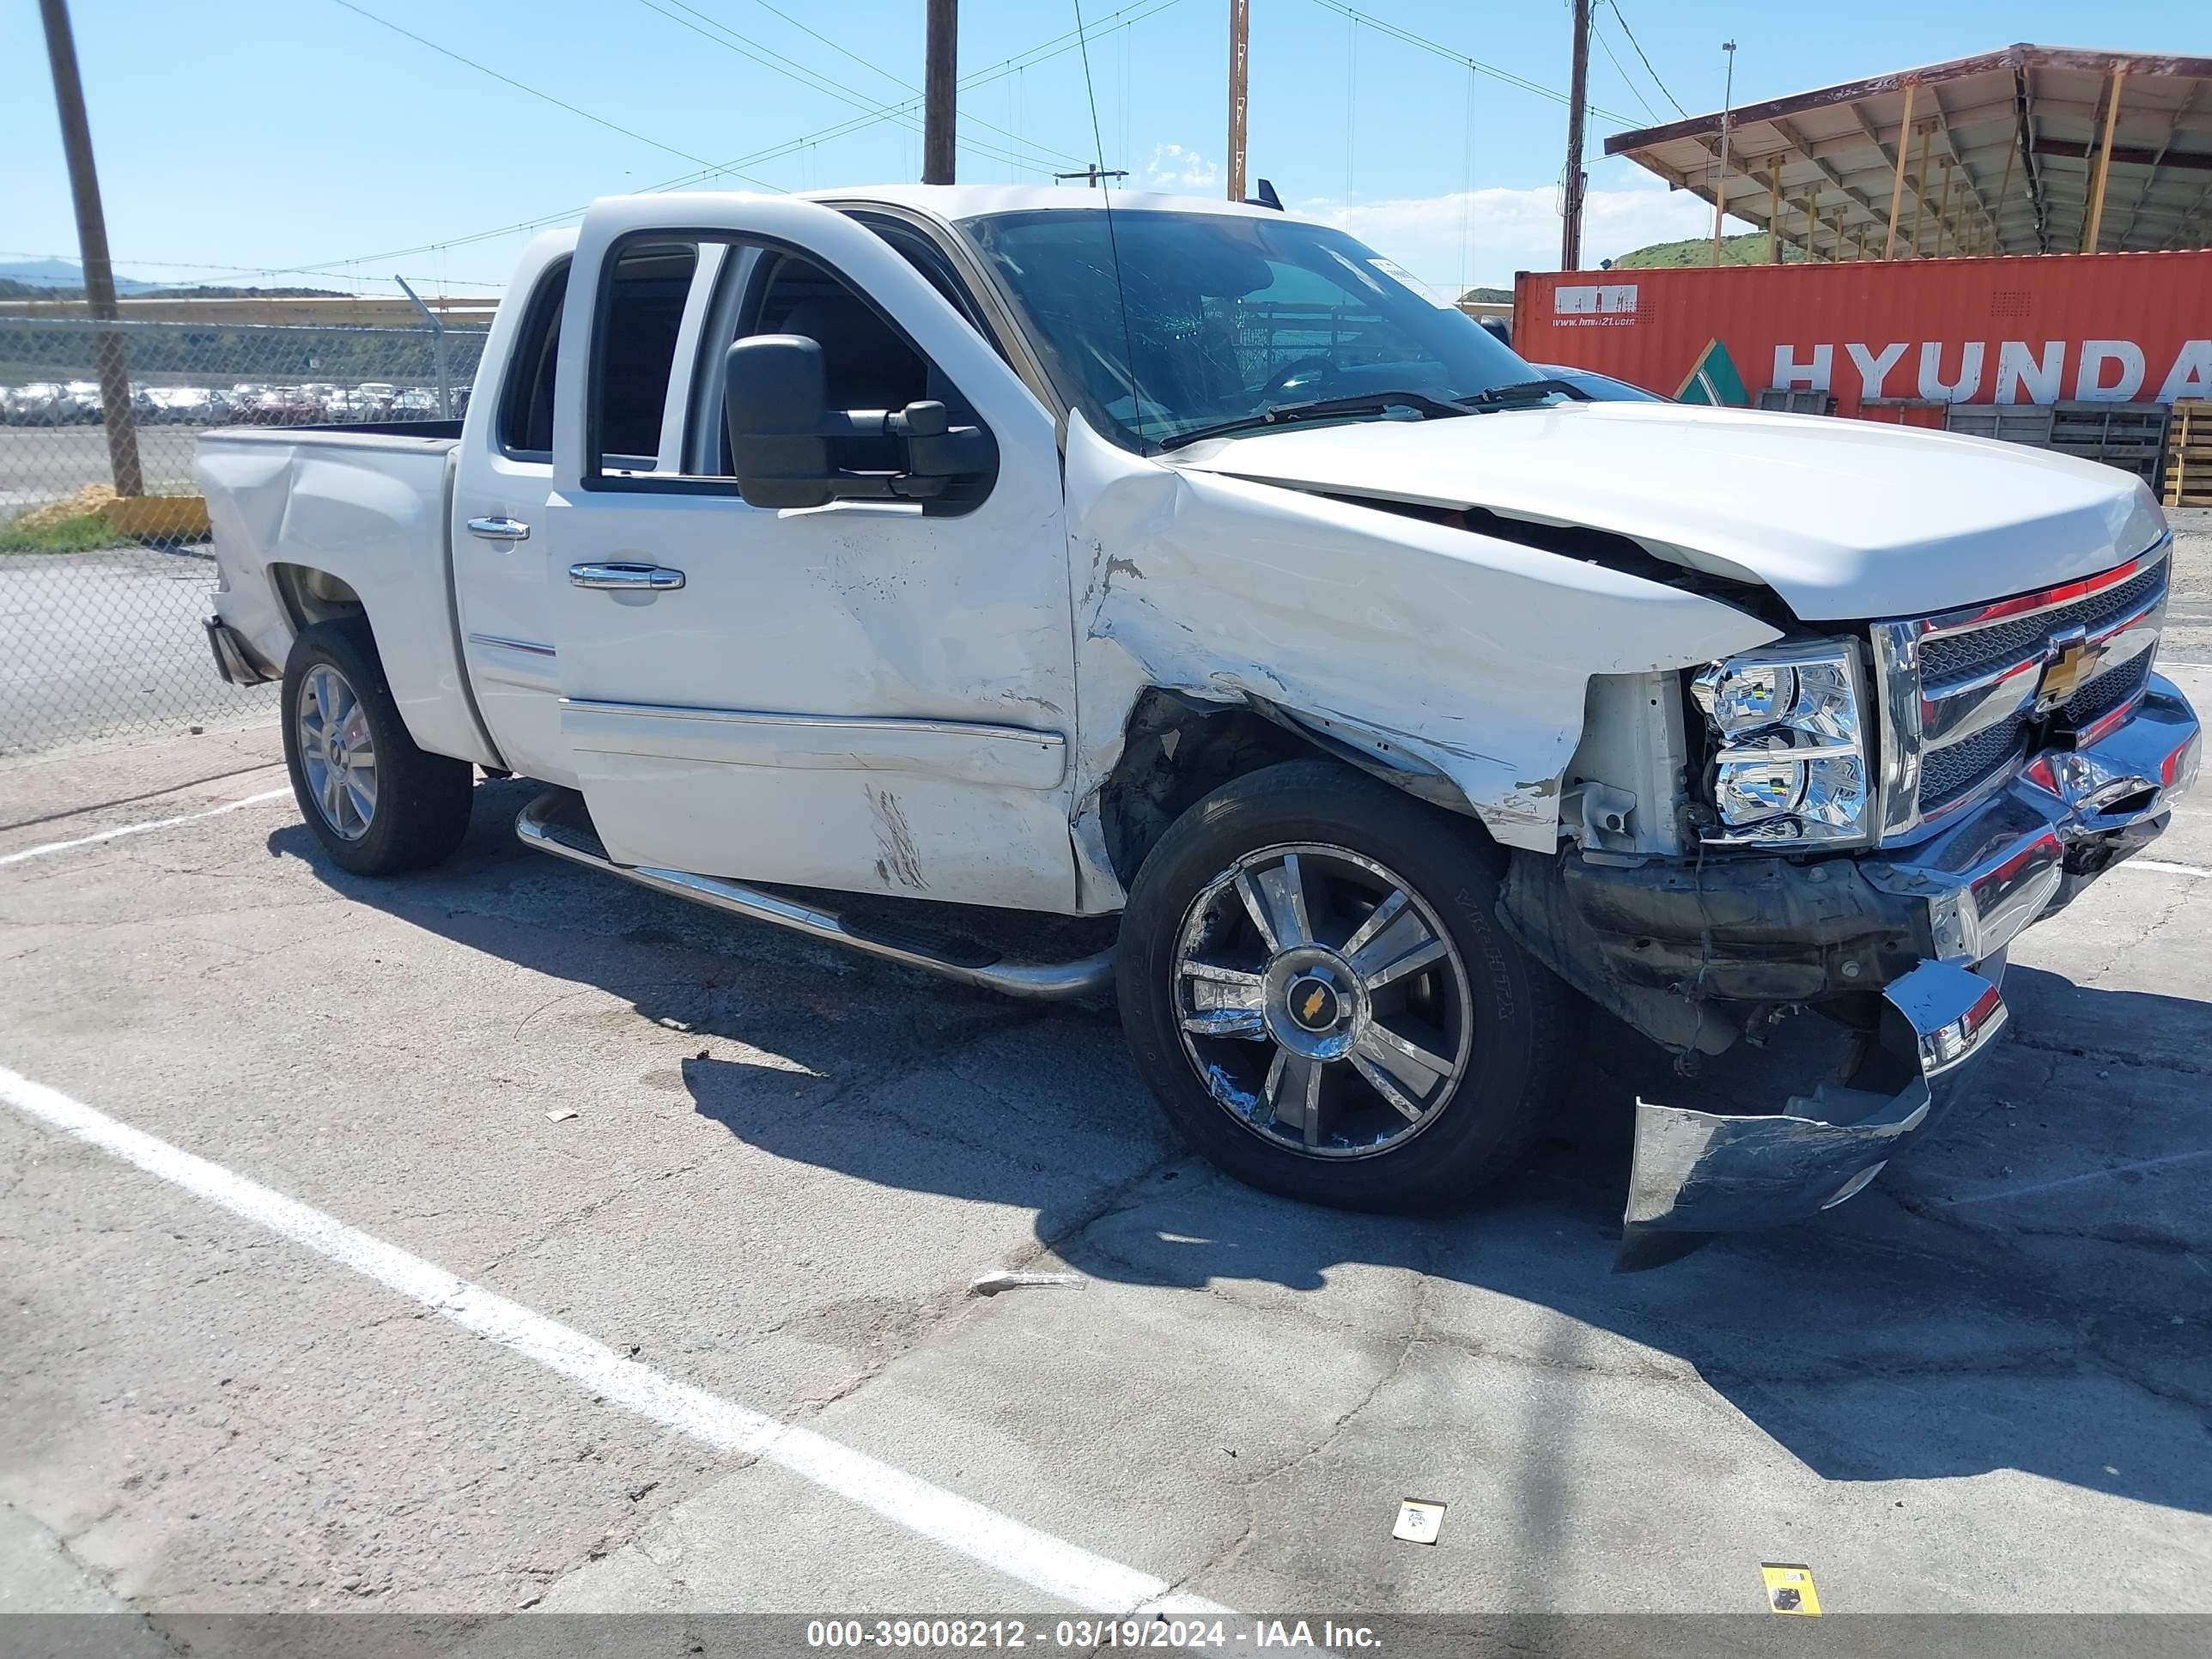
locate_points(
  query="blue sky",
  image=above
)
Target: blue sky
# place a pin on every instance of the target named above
(268, 134)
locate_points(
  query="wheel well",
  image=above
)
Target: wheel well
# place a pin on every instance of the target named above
(312, 596)
(1175, 750)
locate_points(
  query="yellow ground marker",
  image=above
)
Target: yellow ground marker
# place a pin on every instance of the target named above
(1789, 1588)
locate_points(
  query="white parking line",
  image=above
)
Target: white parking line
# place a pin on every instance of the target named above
(2078, 1180)
(140, 829)
(2163, 867)
(1038, 1559)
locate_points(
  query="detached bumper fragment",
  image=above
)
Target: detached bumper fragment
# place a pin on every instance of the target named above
(1699, 1174)
(1685, 950)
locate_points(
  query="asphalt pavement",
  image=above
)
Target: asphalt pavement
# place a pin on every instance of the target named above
(96, 644)
(40, 464)
(507, 1237)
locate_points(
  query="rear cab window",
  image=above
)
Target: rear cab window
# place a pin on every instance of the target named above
(524, 424)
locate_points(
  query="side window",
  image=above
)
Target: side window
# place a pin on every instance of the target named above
(641, 312)
(868, 363)
(525, 428)
(930, 264)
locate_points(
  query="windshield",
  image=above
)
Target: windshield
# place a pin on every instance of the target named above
(1228, 316)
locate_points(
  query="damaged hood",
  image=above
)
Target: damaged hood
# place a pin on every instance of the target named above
(1844, 519)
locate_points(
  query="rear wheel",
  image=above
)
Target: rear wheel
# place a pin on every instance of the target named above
(378, 804)
(1315, 988)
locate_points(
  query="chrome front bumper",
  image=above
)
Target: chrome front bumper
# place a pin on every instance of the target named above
(2070, 816)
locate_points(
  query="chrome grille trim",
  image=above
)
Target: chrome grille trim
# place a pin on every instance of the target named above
(1957, 693)
(1972, 650)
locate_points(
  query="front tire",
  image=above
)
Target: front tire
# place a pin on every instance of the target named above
(378, 804)
(1317, 991)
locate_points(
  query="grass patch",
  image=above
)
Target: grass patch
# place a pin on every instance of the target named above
(80, 534)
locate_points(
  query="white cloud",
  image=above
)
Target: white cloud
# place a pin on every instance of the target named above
(1174, 167)
(1502, 231)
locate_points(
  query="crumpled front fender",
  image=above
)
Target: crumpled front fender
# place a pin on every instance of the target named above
(1699, 1174)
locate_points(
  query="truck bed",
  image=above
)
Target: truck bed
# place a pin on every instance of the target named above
(309, 521)
(370, 429)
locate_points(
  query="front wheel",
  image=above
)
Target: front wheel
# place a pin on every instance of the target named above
(378, 804)
(1316, 989)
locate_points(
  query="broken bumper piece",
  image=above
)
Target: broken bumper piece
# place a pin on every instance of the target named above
(1699, 1174)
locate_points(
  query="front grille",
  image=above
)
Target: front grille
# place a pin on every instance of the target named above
(2107, 691)
(1963, 656)
(1961, 767)
(1947, 674)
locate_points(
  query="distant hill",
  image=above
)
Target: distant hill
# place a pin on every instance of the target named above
(1749, 250)
(15, 288)
(1494, 296)
(61, 273)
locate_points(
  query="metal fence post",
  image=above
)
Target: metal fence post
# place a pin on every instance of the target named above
(437, 348)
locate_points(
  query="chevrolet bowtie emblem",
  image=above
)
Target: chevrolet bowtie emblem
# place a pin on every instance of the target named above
(2072, 663)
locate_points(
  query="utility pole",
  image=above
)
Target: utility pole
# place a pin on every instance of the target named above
(939, 90)
(1727, 116)
(91, 249)
(1240, 48)
(1570, 234)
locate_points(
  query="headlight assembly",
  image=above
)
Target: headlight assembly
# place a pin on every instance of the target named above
(1789, 761)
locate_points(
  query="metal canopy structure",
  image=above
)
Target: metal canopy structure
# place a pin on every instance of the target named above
(2031, 149)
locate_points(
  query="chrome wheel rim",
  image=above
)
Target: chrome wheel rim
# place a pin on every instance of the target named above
(337, 752)
(1320, 1001)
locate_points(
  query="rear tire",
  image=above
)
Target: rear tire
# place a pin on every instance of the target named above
(1392, 1065)
(378, 804)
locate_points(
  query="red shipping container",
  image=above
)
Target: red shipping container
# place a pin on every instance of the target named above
(2117, 327)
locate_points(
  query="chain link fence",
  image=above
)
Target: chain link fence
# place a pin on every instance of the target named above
(101, 595)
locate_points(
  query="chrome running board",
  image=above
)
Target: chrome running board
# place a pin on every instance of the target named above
(538, 825)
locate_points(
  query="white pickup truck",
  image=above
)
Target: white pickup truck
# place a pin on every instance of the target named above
(1085, 556)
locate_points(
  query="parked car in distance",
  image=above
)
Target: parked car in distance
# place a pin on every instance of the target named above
(44, 402)
(902, 558)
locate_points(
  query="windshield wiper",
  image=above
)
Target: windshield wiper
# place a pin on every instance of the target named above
(1365, 402)
(1524, 391)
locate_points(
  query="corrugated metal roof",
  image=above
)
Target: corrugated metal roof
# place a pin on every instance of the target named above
(2000, 152)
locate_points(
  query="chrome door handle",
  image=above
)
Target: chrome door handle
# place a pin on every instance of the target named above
(652, 578)
(500, 529)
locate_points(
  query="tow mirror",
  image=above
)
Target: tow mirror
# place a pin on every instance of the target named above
(773, 400)
(775, 406)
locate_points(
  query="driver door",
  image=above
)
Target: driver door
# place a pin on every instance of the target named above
(868, 695)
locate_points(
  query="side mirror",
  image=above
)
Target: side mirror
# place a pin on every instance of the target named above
(775, 404)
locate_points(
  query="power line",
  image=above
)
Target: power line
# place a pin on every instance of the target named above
(1442, 50)
(967, 117)
(1619, 18)
(1058, 46)
(1633, 90)
(520, 86)
(135, 262)
(877, 68)
(792, 69)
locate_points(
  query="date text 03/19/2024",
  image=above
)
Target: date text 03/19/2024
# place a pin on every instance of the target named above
(936, 1634)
